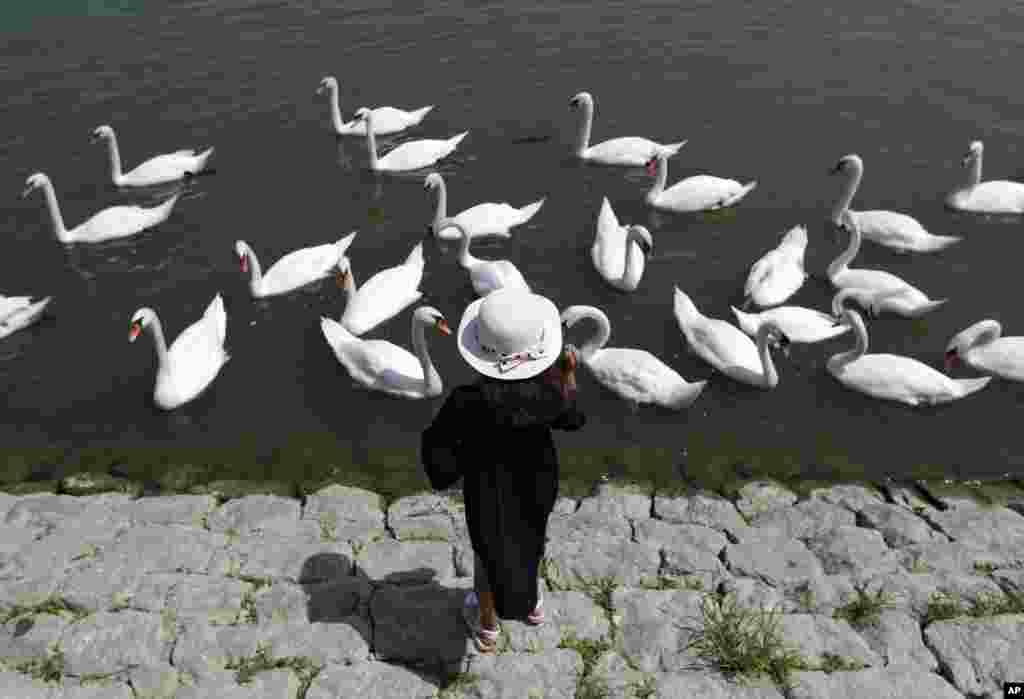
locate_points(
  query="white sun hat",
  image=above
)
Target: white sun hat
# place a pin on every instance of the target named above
(510, 334)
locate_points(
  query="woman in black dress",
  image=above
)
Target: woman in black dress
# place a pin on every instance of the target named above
(496, 435)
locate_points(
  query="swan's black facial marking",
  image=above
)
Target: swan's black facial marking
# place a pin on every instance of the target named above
(838, 167)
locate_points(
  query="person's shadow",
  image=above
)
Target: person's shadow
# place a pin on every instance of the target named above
(406, 618)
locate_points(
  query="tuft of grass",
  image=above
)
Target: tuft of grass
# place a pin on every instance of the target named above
(233, 535)
(865, 609)
(49, 668)
(329, 526)
(919, 566)
(247, 668)
(645, 688)
(984, 567)
(673, 582)
(89, 551)
(994, 604)
(836, 663)
(805, 597)
(942, 606)
(247, 613)
(744, 642)
(588, 686)
(57, 606)
(458, 684)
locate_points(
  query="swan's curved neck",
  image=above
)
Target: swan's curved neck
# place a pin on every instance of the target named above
(659, 181)
(371, 141)
(974, 172)
(442, 204)
(432, 385)
(604, 331)
(115, 157)
(771, 376)
(157, 329)
(848, 192)
(55, 216)
(583, 135)
(854, 320)
(255, 271)
(350, 286)
(839, 299)
(846, 257)
(335, 108)
(465, 259)
(627, 267)
(981, 333)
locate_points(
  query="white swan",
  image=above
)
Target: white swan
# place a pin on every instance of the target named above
(779, 273)
(386, 120)
(486, 219)
(893, 230)
(696, 193)
(895, 377)
(110, 223)
(17, 312)
(981, 347)
(384, 295)
(160, 169)
(634, 374)
(619, 252)
(411, 155)
(992, 197)
(297, 268)
(805, 325)
(486, 275)
(383, 366)
(908, 303)
(625, 150)
(195, 358)
(873, 280)
(725, 347)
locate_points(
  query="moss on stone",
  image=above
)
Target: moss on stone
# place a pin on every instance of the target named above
(91, 483)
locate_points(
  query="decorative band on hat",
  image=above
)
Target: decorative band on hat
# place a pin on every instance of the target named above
(510, 360)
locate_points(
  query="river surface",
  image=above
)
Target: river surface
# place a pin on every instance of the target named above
(772, 91)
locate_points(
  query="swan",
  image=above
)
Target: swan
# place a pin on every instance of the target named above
(386, 120)
(296, 269)
(908, 303)
(779, 273)
(696, 193)
(873, 280)
(625, 150)
(411, 155)
(17, 312)
(992, 197)
(619, 252)
(110, 223)
(384, 295)
(893, 230)
(484, 219)
(981, 347)
(486, 275)
(894, 377)
(194, 359)
(725, 347)
(634, 374)
(383, 366)
(160, 169)
(799, 324)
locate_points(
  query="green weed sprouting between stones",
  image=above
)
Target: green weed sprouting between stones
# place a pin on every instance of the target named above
(459, 683)
(49, 668)
(865, 609)
(57, 606)
(744, 642)
(834, 663)
(588, 686)
(262, 661)
(943, 606)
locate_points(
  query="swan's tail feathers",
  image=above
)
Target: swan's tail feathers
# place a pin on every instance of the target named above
(924, 308)
(530, 210)
(202, 159)
(419, 115)
(939, 242)
(216, 312)
(416, 256)
(966, 387)
(737, 196)
(454, 141)
(334, 332)
(161, 212)
(684, 307)
(797, 237)
(685, 395)
(671, 149)
(344, 244)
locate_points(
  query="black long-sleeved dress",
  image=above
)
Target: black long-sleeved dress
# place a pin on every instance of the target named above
(498, 435)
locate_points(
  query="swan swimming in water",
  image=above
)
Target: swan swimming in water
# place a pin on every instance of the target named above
(982, 348)
(626, 150)
(779, 273)
(992, 197)
(160, 169)
(486, 275)
(695, 193)
(411, 155)
(17, 312)
(384, 295)
(619, 252)
(296, 269)
(486, 219)
(893, 230)
(386, 120)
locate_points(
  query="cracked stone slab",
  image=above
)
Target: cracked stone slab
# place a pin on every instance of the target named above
(808, 519)
(612, 672)
(13, 538)
(26, 592)
(203, 650)
(396, 562)
(912, 591)
(105, 642)
(896, 636)
(183, 510)
(30, 638)
(564, 506)
(686, 549)
(759, 497)
(773, 559)
(212, 600)
(754, 594)
(56, 552)
(282, 558)
(72, 688)
(15, 684)
(615, 501)
(550, 675)
(155, 682)
(572, 563)
(998, 531)
(344, 641)
(848, 549)
(372, 680)
(258, 514)
(893, 682)
(712, 686)
(166, 548)
(271, 684)
(356, 514)
(424, 516)
(820, 594)
(655, 626)
(330, 601)
(65, 511)
(586, 523)
(816, 636)
(568, 614)
(853, 497)
(1010, 579)
(421, 623)
(980, 654)
(899, 526)
(706, 510)
(953, 557)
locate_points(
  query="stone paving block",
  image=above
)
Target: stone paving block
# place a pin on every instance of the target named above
(568, 614)
(575, 563)
(551, 675)
(293, 560)
(772, 559)
(106, 642)
(420, 622)
(373, 680)
(183, 510)
(257, 514)
(895, 682)
(396, 562)
(703, 509)
(980, 654)
(655, 626)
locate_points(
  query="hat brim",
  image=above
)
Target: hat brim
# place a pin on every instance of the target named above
(486, 363)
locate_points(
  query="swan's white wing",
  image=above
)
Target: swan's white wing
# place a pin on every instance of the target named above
(873, 280)
(488, 218)
(12, 304)
(380, 364)
(625, 150)
(491, 275)
(166, 165)
(891, 229)
(897, 378)
(608, 251)
(17, 312)
(699, 192)
(1004, 357)
(301, 267)
(634, 374)
(382, 297)
(193, 360)
(804, 324)
(414, 155)
(723, 345)
(994, 196)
